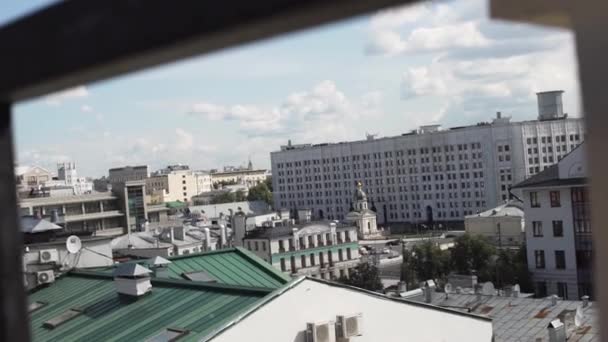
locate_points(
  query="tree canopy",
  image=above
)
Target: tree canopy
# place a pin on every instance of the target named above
(472, 253)
(365, 276)
(429, 261)
(260, 192)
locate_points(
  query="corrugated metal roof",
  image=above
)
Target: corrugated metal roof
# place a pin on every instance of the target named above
(106, 316)
(231, 266)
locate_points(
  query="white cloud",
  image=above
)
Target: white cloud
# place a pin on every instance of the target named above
(86, 109)
(58, 98)
(184, 140)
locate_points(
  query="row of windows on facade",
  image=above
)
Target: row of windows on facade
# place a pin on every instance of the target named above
(549, 149)
(549, 139)
(381, 190)
(313, 242)
(310, 260)
(380, 155)
(554, 199)
(541, 289)
(389, 168)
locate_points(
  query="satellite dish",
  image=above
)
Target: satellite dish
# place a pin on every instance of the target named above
(488, 289)
(447, 288)
(73, 244)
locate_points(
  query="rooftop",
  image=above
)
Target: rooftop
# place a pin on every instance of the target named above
(100, 196)
(100, 314)
(506, 209)
(314, 227)
(231, 266)
(523, 319)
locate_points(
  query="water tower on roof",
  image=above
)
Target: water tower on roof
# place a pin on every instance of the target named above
(550, 105)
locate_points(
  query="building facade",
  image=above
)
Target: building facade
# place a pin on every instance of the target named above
(246, 176)
(503, 225)
(67, 173)
(28, 177)
(558, 230)
(177, 183)
(428, 175)
(326, 250)
(128, 173)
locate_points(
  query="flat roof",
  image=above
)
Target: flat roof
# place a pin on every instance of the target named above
(38, 201)
(93, 216)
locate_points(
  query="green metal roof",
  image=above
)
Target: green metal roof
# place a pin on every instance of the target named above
(197, 307)
(231, 266)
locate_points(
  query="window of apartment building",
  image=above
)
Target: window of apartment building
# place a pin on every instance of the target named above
(555, 200)
(534, 203)
(321, 259)
(249, 245)
(293, 264)
(283, 265)
(311, 242)
(541, 289)
(537, 228)
(539, 258)
(281, 246)
(312, 259)
(303, 261)
(264, 246)
(348, 254)
(558, 229)
(256, 246)
(560, 260)
(562, 290)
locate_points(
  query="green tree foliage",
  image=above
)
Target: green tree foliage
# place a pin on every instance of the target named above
(407, 269)
(224, 197)
(429, 261)
(365, 276)
(239, 196)
(260, 192)
(472, 253)
(268, 183)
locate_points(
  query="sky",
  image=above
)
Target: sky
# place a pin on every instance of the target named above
(385, 73)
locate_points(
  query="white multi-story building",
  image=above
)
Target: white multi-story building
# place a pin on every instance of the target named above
(203, 181)
(240, 175)
(503, 225)
(67, 173)
(558, 229)
(430, 174)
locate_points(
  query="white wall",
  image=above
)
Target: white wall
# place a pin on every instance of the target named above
(546, 214)
(511, 228)
(284, 318)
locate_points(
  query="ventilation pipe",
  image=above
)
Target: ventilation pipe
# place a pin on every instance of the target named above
(222, 235)
(585, 300)
(207, 238)
(54, 216)
(557, 331)
(132, 280)
(553, 300)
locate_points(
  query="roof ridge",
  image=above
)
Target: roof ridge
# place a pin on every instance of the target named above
(181, 283)
(268, 268)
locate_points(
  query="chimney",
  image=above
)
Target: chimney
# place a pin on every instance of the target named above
(498, 115)
(160, 266)
(585, 300)
(557, 331)
(132, 280)
(207, 238)
(178, 233)
(54, 216)
(223, 241)
(553, 300)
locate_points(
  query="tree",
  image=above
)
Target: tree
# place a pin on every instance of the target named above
(429, 261)
(239, 196)
(365, 276)
(268, 182)
(260, 192)
(472, 253)
(407, 269)
(223, 197)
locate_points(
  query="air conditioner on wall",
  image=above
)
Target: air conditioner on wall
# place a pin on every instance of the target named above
(48, 256)
(45, 277)
(320, 332)
(349, 326)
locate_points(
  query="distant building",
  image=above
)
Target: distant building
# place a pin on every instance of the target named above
(28, 177)
(427, 176)
(558, 228)
(322, 249)
(67, 173)
(128, 173)
(503, 225)
(235, 175)
(177, 183)
(361, 216)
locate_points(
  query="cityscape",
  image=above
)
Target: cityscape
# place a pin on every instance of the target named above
(224, 210)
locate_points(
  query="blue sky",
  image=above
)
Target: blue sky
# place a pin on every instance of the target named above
(385, 73)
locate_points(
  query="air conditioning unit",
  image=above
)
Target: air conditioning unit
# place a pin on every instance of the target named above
(48, 256)
(349, 326)
(45, 277)
(320, 332)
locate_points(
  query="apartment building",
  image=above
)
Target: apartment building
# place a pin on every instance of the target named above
(240, 175)
(502, 226)
(324, 249)
(558, 229)
(430, 174)
(128, 173)
(28, 177)
(177, 183)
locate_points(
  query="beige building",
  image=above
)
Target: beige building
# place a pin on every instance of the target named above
(503, 225)
(177, 183)
(31, 176)
(247, 176)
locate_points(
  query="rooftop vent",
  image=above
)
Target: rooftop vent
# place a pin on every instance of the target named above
(160, 266)
(132, 280)
(557, 331)
(348, 326)
(320, 332)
